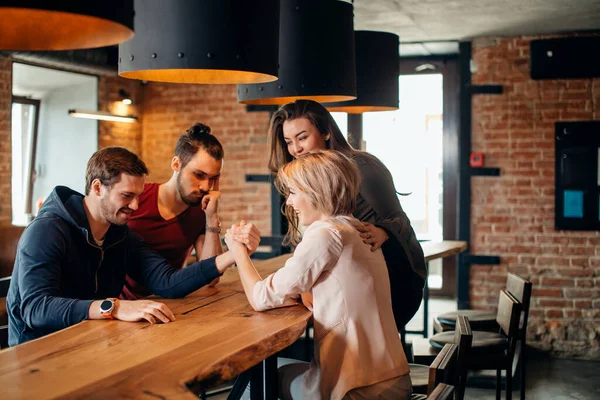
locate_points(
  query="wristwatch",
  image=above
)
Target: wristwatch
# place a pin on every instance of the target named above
(214, 229)
(108, 306)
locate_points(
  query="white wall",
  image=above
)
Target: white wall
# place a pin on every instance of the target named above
(65, 143)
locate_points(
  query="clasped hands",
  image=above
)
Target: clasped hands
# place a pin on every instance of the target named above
(242, 237)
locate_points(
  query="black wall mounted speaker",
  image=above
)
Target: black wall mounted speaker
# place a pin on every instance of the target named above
(565, 58)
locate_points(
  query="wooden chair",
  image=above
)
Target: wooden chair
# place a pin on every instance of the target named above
(442, 392)
(493, 350)
(486, 319)
(521, 289)
(4, 284)
(426, 378)
(448, 368)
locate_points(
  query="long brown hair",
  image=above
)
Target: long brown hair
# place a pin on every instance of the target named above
(317, 115)
(329, 179)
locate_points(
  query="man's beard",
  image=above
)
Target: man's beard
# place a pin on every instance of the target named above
(192, 200)
(111, 214)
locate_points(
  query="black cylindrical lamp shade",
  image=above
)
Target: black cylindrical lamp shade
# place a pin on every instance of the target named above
(377, 71)
(208, 41)
(64, 25)
(316, 55)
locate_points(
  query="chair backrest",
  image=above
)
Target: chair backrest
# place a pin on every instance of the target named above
(443, 367)
(441, 392)
(463, 337)
(508, 315)
(521, 289)
(4, 284)
(3, 337)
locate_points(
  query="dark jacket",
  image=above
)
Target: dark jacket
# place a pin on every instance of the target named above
(59, 269)
(378, 204)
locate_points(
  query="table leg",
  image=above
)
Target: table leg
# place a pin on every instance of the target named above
(271, 383)
(239, 386)
(256, 382)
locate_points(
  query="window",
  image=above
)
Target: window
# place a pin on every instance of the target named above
(25, 115)
(409, 142)
(49, 147)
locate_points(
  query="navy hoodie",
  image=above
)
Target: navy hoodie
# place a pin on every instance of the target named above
(59, 269)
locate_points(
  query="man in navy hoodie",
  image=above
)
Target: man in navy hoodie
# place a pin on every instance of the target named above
(73, 257)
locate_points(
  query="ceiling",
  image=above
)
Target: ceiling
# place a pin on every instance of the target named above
(434, 26)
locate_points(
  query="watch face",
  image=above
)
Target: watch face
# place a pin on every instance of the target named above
(106, 305)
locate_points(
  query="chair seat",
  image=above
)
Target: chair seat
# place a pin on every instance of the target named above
(482, 341)
(477, 318)
(419, 376)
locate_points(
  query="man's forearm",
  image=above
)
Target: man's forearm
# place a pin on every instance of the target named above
(94, 310)
(212, 239)
(212, 246)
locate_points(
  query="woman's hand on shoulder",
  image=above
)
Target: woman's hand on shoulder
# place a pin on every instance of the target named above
(372, 235)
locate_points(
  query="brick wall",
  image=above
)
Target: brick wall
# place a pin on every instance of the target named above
(169, 109)
(513, 215)
(5, 149)
(119, 133)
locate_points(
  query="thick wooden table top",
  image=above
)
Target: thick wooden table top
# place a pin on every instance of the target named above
(215, 337)
(445, 248)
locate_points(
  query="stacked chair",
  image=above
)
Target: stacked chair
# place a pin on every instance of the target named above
(482, 321)
(492, 350)
(4, 284)
(450, 367)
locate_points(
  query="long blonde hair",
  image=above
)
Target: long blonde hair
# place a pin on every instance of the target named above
(328, 178)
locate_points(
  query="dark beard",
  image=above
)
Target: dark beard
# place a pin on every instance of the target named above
(188, 200)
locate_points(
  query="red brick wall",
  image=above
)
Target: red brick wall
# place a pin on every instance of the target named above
(513, 215)
(5, 149)
(119, 133)
(169, 109)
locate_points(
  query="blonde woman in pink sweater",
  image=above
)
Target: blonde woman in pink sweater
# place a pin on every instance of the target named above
(358, 353)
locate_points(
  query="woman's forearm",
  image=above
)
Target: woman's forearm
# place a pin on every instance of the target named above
(248, 275)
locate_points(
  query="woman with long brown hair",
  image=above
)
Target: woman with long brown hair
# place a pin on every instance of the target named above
(305, 126)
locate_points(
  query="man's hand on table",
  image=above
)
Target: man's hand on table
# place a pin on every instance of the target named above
(138, 310)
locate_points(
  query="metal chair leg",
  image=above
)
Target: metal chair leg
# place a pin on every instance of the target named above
(523, 368)
(509, 383)
(498, 384)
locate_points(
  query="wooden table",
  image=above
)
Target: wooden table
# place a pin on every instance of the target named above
(215, 337)
(445, 248)
(433, 251)
(422, 351)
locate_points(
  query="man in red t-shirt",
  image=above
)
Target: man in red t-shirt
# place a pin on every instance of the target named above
(182, 213)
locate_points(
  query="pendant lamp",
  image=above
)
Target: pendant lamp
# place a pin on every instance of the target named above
(377, 70)
(207, 41)
(64, 25)
(316, 55)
